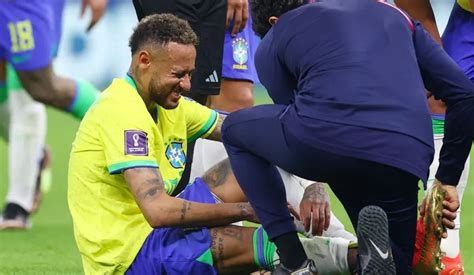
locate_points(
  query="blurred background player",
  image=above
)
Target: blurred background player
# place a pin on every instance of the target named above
(238, 70)
(457, 41)
(23, 126)
(23, 119)
(30, 32)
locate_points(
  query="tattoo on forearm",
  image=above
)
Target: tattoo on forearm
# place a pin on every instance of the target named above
(150, 187)
(315, 192)
(218, 174)
(185, 209)
(216, 134)
(151, 192)
(244, 209)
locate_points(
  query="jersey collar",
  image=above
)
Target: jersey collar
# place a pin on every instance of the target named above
(130, 81)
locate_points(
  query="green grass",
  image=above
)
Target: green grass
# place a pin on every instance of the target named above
(49, 247)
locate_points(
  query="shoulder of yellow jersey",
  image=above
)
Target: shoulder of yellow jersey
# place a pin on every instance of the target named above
(465, 4)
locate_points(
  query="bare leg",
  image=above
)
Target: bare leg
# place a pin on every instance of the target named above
(45, 86)
(234, 95)
(232, 249)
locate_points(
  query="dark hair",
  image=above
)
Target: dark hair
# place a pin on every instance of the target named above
(162, 29)
(263, 9)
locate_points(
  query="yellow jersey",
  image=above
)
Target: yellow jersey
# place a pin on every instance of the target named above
(119, 133)
(465, 4)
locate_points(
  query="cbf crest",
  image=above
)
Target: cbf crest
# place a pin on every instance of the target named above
(240, 53)
(175, 154)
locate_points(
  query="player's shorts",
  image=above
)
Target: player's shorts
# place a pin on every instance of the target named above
(30, 32)
(239, 52)
(207, 18)
(458, 39)
(177, 250)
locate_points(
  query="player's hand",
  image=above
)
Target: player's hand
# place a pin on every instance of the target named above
(450, 206)
(239, 11)
(315, 210)
(97, 10)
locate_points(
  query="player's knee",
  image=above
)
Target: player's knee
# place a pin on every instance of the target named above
(234, 95)
(243, 99)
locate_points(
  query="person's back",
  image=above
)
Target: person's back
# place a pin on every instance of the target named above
(348, 77)
(355, 64)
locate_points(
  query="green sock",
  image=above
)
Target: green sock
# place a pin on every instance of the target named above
(13, 81)
(3, 91)
(85, 96)
(263, 250)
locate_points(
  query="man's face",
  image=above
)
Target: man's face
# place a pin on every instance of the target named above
(171, 69)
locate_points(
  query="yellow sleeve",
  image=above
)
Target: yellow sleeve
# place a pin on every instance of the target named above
(465, 4)
(200, 120)
(128, 139)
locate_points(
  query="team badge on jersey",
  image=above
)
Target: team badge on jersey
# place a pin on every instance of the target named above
(240, 53)
(175, 154)
(136, 143)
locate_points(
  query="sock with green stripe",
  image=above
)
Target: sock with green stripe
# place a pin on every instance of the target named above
(3, 91)
(85, 95)
(264, 251)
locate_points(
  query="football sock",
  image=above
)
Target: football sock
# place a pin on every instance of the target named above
(264, 250)
(85, 96)
(27, 134)
(3, 91)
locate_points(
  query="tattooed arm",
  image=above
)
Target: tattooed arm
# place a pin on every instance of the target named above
(162, 210)
(216, 134)
(315, 211)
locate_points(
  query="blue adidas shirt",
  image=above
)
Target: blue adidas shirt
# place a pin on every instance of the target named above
(353, 74)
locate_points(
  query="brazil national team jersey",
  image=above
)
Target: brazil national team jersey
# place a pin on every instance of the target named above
(116, 134)
(465, 4)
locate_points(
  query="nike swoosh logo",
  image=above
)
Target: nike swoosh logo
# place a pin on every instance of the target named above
(383, 255)
(20, 58)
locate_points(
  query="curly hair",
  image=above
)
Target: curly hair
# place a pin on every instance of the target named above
(263, 9)
(162, 29)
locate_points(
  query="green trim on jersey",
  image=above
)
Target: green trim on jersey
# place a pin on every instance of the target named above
(438, 126)
(130, 81)
(206, 258)
(209, 124)
(119, 167)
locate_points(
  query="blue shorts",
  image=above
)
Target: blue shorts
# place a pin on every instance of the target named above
(30, 32)
(239, 52)
(177, 250)
(458, 39)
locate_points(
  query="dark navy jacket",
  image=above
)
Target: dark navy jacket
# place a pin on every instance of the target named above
(353, 74)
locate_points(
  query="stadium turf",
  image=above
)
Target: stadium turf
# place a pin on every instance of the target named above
(49, 247)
